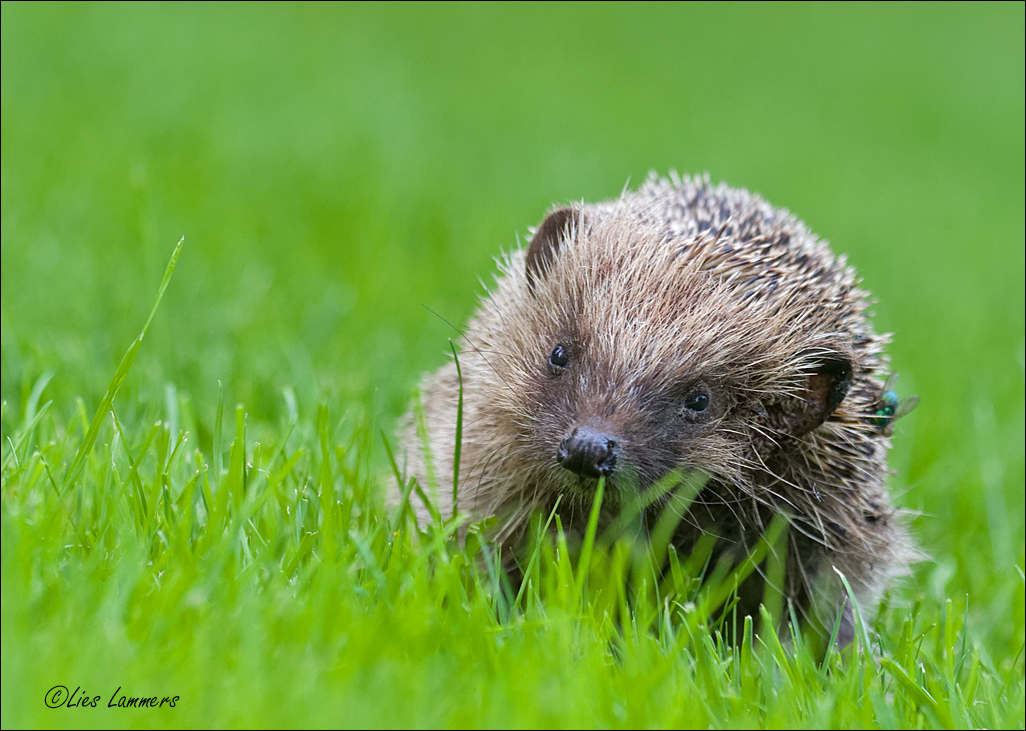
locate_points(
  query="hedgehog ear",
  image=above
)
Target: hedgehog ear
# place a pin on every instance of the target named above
(828, 383)
(827, 386)
(547, 239)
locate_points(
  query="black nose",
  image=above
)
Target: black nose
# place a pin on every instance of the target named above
(588, 452)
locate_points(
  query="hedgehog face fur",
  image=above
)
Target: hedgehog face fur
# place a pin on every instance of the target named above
(683, 327)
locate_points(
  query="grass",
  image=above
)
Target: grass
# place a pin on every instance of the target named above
(201, 517)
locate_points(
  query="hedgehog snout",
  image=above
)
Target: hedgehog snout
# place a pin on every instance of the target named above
(588, 452)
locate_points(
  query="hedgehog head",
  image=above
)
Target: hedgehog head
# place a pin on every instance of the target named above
(619, 346)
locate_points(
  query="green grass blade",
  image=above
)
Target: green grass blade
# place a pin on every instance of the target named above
(119, 377)
(458, 447)
(584, 562)
(25, 434)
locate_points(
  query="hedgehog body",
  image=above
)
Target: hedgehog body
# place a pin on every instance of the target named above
(683, 327)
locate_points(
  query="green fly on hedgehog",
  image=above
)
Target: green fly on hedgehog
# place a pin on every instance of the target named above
(889, 409)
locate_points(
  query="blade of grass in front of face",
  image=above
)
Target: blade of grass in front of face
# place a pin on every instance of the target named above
(723, 583)
(584, 561)
(860, 628)
(538, 539)
(776, 567)
(680, 498)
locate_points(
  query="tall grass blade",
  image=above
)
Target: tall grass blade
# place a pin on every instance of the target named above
(584, 564)
(459, 430)
(119, 377)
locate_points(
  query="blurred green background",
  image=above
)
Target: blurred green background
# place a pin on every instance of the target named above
(338, 169)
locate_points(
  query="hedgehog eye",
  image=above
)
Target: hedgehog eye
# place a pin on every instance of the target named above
(558, 358)
(697, 402)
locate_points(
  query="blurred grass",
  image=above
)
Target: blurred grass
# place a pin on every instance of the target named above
(334, 168)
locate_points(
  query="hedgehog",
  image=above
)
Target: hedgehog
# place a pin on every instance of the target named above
(684, 328)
